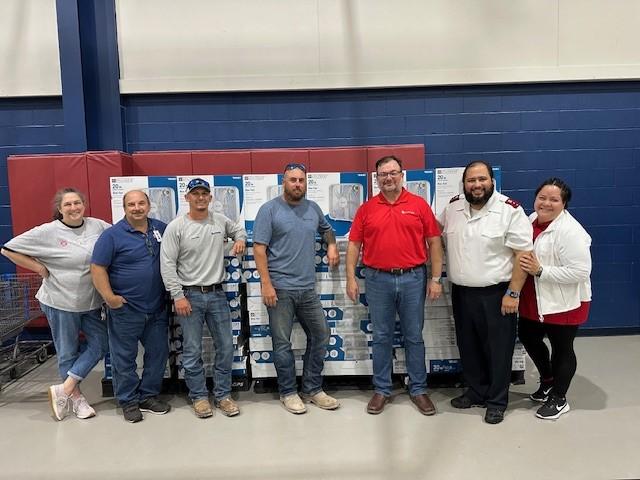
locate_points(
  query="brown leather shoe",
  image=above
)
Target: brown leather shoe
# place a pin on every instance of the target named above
(424, 404)
(377, 403)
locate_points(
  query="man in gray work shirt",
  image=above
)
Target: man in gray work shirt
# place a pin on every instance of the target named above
(192, 267)
(284, 249)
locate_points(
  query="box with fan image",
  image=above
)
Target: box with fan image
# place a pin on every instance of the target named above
(258, 189)
(339, 195)
(162, 192)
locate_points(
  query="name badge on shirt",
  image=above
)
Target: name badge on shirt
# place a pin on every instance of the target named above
(157, 235)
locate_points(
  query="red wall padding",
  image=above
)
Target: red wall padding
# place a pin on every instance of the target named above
(221, 162)
(101, 166)
(352, 159)
(412, 156)
(41, 175)
(274, 160)
(162, 163)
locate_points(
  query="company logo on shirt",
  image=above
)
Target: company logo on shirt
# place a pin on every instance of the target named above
(407, 212)
(63, 242)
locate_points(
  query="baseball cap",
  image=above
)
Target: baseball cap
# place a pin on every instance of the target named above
(198, 183)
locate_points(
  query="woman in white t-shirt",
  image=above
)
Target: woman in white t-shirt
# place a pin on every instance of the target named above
(60, 252)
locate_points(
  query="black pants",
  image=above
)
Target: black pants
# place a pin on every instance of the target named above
(561, 365)
(485, 340)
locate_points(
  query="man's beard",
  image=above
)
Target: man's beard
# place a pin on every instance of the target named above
(294, 195)
(479, 200)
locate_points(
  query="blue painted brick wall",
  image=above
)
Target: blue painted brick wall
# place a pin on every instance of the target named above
(586, 133)
(27, 126)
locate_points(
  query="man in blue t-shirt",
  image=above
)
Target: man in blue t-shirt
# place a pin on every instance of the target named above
(284, 249)
(125, 267)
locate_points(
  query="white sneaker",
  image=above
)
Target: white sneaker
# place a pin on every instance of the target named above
(59, 401)
(322, 400)
(293, 404)
(81, 407)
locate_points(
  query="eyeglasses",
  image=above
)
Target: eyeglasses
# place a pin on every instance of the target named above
(392, 174)
(293, 166)
(149, 245)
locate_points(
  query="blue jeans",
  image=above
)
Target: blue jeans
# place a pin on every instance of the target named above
(306, 307)
(65, 330)
(127, 327)
(387, 295)
(212, 308)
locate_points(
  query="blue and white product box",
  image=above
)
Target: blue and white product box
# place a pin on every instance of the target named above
(258, 189)
(339, 195)
(226, 191)
(257, 310)
(341, 355)
(348, 313)
(162, 192)
(232, 267)
(448, 183)
(340, 300)
(418, 182)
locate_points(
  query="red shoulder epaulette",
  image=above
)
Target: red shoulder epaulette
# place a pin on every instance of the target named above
(512, 202)
(453, 199)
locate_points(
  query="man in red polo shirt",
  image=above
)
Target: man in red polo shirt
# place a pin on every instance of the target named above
(392, 229)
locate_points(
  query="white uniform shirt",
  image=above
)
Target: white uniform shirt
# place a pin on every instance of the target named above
(480, 248)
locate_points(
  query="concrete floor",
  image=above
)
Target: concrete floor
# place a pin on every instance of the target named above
(599, 438)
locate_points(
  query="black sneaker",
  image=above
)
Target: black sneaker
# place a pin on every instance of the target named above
(542, 394)
(132, 413)
(155, 406)
(553, 408)
(493, 416)
(465, 402)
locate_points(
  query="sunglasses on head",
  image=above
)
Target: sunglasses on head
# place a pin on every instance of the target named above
(293, 166)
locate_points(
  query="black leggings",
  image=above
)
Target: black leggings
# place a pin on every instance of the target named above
(561, 366)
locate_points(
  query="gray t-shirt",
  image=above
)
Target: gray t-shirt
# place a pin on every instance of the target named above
(192, 251)
(289, 231)
(66, 252)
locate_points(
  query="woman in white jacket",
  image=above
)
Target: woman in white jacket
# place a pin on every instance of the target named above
(556, 296)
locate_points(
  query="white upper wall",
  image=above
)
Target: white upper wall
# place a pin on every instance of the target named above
(217, 45)
(29, 59)
(222, 45)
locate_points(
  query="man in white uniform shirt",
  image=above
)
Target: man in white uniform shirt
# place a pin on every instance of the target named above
(485, 233)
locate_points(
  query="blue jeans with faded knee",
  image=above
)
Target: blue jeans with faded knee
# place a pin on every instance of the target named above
(404, 295)
(211, 308)
(127, 328)
(305, 306)
(65, 330)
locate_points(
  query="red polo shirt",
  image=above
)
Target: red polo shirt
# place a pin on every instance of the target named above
(393, 234)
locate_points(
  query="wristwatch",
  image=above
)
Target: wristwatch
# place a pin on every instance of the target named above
(437, 280)
(512, 293)
(539, 272)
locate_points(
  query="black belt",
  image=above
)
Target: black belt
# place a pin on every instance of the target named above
(203, 288)
(397, 271)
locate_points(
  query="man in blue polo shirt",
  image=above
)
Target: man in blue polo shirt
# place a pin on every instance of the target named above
(126, 271)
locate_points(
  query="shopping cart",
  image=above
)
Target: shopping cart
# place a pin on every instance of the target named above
(18, 306)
